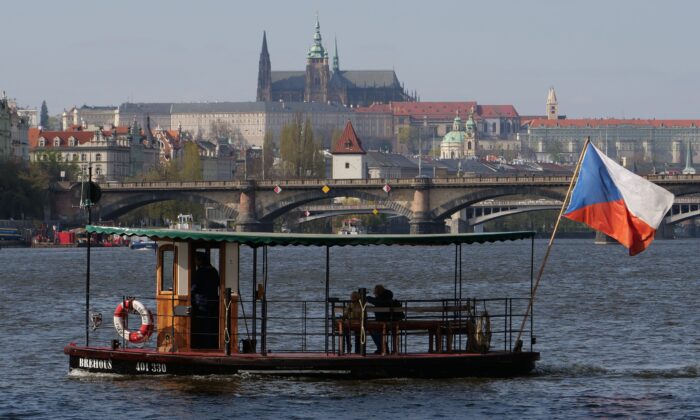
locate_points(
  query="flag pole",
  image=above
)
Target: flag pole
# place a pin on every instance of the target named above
(518, 341)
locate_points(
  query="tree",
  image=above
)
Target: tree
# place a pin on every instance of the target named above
(44, 116)
(268, 154)
(408, 139)
(190, 168)
(300, 151)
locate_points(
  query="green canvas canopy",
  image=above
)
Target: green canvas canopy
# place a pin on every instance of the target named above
(257, 239)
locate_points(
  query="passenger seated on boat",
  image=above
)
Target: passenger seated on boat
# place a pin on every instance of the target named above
(383, 298)
(353, 312)
(205, 304)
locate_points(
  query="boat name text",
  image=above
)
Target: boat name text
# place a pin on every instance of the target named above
(94, 364)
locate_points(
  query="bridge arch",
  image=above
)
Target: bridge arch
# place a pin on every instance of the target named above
(449, 207)
(123, 205)
(279, 208)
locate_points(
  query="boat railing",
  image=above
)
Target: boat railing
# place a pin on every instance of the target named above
(289, 326)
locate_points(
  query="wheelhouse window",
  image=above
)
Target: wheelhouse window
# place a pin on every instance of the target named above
(166, 268)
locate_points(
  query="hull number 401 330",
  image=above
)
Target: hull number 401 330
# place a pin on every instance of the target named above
(151, 367)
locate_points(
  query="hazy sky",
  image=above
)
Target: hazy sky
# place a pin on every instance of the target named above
(605, 58)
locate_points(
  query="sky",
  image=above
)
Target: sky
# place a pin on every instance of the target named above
(622, 59)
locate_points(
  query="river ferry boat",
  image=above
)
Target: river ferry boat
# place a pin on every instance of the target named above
(440, 336)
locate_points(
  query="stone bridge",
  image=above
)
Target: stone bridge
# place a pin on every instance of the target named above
(254, 205)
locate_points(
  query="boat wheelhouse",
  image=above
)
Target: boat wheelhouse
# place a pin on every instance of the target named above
(440, 336)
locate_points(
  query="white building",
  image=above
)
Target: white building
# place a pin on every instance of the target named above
(348, 156)
(113, 154)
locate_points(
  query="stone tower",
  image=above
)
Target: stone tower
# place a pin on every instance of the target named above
(552, 105)
(264, 73)
(317, 71)
(471, 138)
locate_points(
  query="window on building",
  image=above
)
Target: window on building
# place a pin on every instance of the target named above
(42, 142)
(56, 142)
(98, 157)
(71, 142)
(98, 171)
(82, 157)
(347, 165)
(75, 156)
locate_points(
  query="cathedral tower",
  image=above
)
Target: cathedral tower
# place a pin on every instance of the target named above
(264, 73)
(317, 71)
(552, 105)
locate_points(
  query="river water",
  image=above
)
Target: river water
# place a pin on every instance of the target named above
(618, 335)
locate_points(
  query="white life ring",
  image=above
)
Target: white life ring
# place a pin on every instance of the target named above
(135, 307)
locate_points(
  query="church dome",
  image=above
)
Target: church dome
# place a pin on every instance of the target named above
(456, 135)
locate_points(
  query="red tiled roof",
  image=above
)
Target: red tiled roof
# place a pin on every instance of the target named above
(443, 110)
(496, 111)
(35, 134)
(348, 142)
(612, 122)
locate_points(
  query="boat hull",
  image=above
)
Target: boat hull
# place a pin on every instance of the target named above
(428, 365)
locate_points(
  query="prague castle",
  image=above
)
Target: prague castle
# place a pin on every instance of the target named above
(321, 83)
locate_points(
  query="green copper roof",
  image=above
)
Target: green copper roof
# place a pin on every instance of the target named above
(470, 122)
(285, 239)
(317, 50)
(454, 137)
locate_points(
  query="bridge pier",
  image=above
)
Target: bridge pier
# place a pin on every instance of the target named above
(603, 239)
(422, 221)
(457, 223)
(664, 231)
(247, 220)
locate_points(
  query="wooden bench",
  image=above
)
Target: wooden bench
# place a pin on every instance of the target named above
(437, 327)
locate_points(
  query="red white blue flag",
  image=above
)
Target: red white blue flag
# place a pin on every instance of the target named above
(615, 201)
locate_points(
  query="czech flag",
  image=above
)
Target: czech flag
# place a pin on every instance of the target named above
(613, 200)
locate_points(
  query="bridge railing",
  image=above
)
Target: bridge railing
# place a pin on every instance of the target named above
(394, 182)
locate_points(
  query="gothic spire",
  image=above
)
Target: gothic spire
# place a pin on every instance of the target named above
(264, 73)
(336, 60)
(264, 46)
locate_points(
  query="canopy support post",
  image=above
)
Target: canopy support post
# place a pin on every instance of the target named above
(87, 273)
(532, 278)
(328, 276)
(254, 313)
(263, 307)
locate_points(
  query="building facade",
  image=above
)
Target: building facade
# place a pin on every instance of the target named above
(114, 154)
(321, 83)
(14, 128)
(630, 141)
(349, 160)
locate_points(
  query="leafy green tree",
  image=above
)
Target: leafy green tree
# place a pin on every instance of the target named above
(190, 168)
(44, 115)
(407, 138)
(300, 151)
